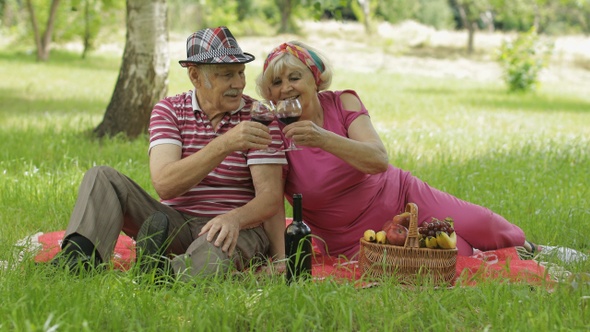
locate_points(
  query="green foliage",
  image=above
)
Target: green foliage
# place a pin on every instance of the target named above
(522, 61)
(436, 13)
(244, 17)
(395, 11)
(550, 16)
(76, 20)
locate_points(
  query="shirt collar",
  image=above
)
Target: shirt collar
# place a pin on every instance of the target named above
(196, 106)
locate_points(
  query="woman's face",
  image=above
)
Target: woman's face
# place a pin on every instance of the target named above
(294, 83)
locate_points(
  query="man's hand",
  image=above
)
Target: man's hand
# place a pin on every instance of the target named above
(275, 268)
(227, 230)
(248, 135)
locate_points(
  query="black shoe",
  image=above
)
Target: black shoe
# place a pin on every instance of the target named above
(75, 262)
(151, 243)
(79, 254)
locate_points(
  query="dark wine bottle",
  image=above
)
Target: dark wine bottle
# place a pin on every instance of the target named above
(298, 244)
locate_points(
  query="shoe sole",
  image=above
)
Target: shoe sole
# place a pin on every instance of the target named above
(153, 234)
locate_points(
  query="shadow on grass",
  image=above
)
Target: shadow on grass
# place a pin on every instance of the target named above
(18, 102)
(499, 98)
(446, 52)
(443, 91)
(527, 102)
(60, 58)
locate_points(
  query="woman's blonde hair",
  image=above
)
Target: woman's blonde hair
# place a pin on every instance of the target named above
(276, 66)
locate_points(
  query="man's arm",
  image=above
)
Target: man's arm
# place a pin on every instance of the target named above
(172, 176)
(268, 200)
(275, 230)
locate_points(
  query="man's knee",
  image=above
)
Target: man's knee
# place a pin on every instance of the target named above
(97, 171)
(202, 259)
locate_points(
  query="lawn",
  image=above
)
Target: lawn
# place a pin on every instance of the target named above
(525, 156)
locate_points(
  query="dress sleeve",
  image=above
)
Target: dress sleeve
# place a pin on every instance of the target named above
(349, 116)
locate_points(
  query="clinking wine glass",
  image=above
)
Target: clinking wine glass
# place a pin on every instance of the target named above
(263, 111)
(289, 111)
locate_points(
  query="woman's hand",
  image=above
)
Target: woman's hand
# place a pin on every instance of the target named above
(361, 148)
(306, 133)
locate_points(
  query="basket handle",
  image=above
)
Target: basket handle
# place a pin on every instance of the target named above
(413, 239)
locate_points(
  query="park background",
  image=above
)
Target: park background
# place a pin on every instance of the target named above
(444, 112)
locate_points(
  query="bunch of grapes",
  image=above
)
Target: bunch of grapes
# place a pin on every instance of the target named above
(429, 228)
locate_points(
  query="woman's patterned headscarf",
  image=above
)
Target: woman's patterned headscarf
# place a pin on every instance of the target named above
(309, 58)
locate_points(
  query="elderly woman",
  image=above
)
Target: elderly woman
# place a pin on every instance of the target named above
(343, 170)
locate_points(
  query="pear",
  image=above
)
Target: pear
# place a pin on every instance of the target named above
(381, 237)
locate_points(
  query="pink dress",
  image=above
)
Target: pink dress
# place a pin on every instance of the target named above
(340, 202)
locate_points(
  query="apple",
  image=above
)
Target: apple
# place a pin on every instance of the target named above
(402, 219)
(396, 234)
(387, 224)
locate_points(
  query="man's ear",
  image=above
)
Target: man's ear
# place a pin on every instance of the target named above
(194, 75)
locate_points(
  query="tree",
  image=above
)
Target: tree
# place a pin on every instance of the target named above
(43, 41)
(286, 8)
(143, 76)
(523, 59)
(365, 10)
(470, 12)
(92, 17)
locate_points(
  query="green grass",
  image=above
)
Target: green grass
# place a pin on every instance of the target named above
(524, 156)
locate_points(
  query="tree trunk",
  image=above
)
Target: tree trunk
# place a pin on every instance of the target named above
(537, 18)
(285, 8)
(366, 8)
(35, 25)
(43, 43)
(471, 36)
(466, 15)
(86, 29)
(46, 40)
(143, 76)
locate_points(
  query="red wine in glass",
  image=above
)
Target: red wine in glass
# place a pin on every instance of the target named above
(264, 119)
(289, 119)
(289, 111)
(263, 111)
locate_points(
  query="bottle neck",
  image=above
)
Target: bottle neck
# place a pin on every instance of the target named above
(297, 208)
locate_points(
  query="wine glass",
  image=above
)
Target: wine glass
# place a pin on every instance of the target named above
(289, 111)
(263, 111)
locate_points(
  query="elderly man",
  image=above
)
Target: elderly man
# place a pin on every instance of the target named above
(220, 188)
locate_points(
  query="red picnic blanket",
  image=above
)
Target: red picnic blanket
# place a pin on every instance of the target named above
(496, 264)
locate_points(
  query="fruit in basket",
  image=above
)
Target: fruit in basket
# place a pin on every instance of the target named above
(422, 241)
(430, 228)
(369, 235)
(400, 219)
(431, 242)
(446, 241)
(450, 221)
(381, 237)
(396, 234)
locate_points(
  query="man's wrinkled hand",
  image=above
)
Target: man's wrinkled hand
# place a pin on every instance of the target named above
(248, 135)
(227, 231)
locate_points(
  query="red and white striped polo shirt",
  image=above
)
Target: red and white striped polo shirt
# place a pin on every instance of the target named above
(179, 120)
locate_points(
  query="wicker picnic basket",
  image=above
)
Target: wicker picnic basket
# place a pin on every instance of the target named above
(410, 264)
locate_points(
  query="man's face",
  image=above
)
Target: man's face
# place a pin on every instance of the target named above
(220, 87)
